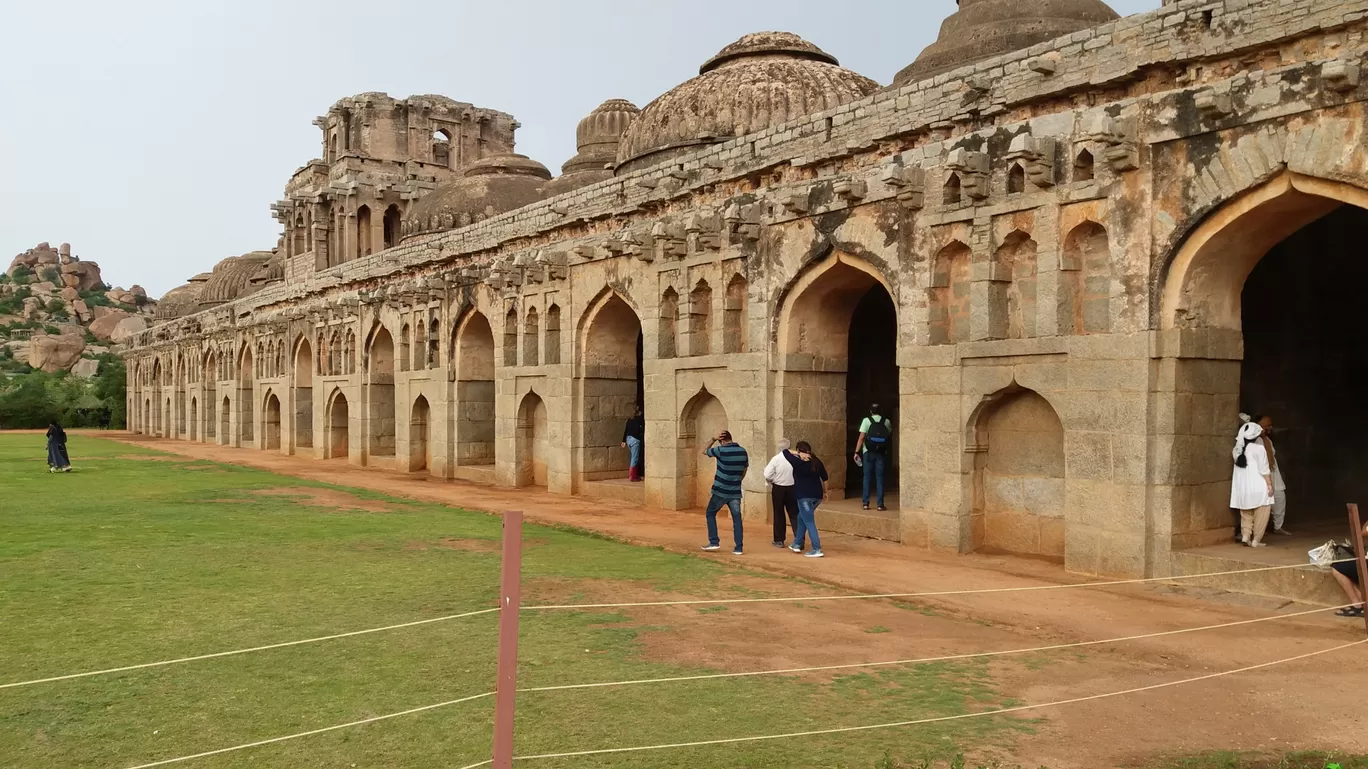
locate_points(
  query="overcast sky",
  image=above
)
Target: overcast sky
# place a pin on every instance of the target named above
(153, 135)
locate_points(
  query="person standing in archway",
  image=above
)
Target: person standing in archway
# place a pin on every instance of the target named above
(1279, 516)
(871, 452)
(732, 461)
(633, 438)
(1251, 485)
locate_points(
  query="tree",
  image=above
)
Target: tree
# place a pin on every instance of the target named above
(26, 403)
(111, 387)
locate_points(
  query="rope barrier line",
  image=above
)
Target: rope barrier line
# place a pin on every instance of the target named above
(312, 732)
(607, 684)
(924, 660)
(939, 593)
(235, 652)
(940, 719)
(642, 604)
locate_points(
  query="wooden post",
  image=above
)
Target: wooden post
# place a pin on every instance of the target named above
(1356, 536)
(509, 602)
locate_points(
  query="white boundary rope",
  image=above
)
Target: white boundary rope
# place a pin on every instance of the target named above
(641, 604)
(708, 676)
(312, 732)
(932, 594)
(940, 719)
(235, 652)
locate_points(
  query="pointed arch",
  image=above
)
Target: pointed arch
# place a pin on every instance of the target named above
(1016, 179)
(700, 318)
(949, 295)
(1083, 166)
(473, 415)
(420, 417)
(380, 432)
(510, 337)
(953, 192)
(611, 385)
(552, 352)
(1086, 281)
(532, 442)
(734, 315)
(1019, 474)
(1017, 257)
(270, 422)
(338, 423)
(668, 324)
(702, 417)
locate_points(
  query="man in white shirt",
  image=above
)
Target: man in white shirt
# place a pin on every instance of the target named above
(779, 474)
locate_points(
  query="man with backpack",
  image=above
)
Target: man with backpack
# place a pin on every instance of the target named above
(871, 452)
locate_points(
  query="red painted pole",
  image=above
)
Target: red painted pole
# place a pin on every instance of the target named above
(1356, 525)
(509, 601)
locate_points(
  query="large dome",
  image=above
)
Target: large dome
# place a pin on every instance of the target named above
(230, 276)
(179, 301)
(597, 138)
(982, 29)
(490, 186)
(760, 81)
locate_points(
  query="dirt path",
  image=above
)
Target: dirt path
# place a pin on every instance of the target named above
(1301, 705)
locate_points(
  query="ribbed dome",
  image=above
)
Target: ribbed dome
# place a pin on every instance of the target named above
(273, 271)
(179, 301)
(597, 138)
(489, 187)
(760, 81)
(229, 278)
(982, 29)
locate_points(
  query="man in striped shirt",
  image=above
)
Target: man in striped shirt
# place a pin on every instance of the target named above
(732, 462)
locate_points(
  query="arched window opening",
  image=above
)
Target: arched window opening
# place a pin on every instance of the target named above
(1016, 179)
(405, 347)
(1017, 258)
(363, 231)
(510, 351)
(441, 147)
(949, 295)
(734, 316)
(392, 226)
(531, 334)
(952, 193)
(297, 237)
(700, 319)
(419, 345)
(669, 322)
(1083, 167)
(553, 335)
(434, 339)
(1085, 271)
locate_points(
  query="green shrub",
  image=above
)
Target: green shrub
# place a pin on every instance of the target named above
(51, 275)
(96, 298)
(23, 274)
(32, 399)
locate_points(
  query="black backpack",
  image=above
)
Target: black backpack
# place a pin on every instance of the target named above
(878, 436)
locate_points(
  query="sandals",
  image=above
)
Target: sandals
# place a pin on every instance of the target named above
(1350, 611)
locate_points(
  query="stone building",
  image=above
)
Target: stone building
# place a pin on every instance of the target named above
(1064, 249)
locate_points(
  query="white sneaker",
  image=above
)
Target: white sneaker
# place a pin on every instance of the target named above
(710, 548)
(1258, 544)
(795, 548)
(737, 551)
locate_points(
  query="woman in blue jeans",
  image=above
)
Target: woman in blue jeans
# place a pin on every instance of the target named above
(810, 486)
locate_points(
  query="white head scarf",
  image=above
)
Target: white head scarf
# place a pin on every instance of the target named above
(1249, 431)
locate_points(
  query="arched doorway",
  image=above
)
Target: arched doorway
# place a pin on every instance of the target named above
(380, 393)
(532, 443)
(225, 420)
(419, 457)
(194, 419)
(338, 427)
(473, 417)
(611, 386)
(303, 395)
(271, 423)
(167, 424)
(1269, 282)
(245, 397)
(211, 377)
(1018, 450)
(838, 338)
(703, 417)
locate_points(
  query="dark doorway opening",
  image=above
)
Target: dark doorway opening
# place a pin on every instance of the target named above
(871, 377)
(1306, 364)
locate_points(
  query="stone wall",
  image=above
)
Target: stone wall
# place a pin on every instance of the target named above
(1047, 226)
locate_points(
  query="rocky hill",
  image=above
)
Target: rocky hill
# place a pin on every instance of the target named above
(58, 314)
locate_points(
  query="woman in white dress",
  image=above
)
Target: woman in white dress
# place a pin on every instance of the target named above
(1251, 486)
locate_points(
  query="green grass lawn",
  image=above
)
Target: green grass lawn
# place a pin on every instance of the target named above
(128, 560)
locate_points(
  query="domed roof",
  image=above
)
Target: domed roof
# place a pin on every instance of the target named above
(489, 187)
(597, 138)
(181, 300)
(229, 278)
(758, 82)
(982, 29)
(273, 271)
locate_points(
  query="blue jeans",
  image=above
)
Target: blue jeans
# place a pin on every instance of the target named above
(715, 504)
(874, 468)
(634, 451)
(807, 523)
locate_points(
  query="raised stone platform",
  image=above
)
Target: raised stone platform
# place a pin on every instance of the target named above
(1307, 585)
(475, 473)
(844, 516)
(621, 490)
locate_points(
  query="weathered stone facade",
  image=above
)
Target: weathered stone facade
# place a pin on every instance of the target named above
(1039, 257)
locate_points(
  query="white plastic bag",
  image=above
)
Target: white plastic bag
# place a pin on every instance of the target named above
(1324, 555)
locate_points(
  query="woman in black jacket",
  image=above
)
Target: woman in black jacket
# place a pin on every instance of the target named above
(810, 486)
(58, 461)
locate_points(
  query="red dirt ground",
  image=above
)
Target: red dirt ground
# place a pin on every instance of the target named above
(1303, 705)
